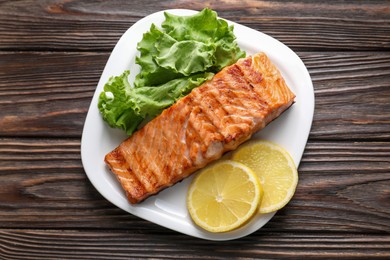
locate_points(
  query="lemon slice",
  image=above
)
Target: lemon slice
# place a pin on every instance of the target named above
(276, 171)
(223, 196)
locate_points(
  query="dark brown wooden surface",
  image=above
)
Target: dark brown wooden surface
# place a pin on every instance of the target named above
(51, 56)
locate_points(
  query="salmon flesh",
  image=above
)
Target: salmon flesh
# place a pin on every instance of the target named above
(214, 118)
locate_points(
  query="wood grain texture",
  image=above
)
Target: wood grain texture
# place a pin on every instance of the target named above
(352, 95)
(74, 244)
(52, 53)
(344, 186)
(48, 94)
(97, 25)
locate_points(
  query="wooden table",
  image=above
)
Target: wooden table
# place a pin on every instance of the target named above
(51, 56)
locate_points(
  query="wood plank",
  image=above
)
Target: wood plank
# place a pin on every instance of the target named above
(95, 25)
(343, 187)
(48, 94)
(75, 244)
(352, 95)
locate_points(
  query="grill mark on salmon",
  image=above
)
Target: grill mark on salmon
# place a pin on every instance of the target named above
(214, 110)
(155, 142)
(214, 118)
(186, 161)
(176, 139)
(136, 162)
(202, 129)
(194, 141)
(125, 176)
(167, 152)
(213, 138)
(225, 96)
(150, 175)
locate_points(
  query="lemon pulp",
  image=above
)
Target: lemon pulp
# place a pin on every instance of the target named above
(223, 196)
(275, 169)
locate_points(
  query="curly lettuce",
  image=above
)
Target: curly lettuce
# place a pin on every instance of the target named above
(181, 55)
(186, 45)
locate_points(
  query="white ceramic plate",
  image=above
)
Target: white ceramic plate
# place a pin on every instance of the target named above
(168, 208)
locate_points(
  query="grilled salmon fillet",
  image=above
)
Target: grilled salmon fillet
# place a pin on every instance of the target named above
(214, 118)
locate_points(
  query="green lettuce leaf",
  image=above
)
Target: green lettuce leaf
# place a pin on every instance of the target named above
(185, 57)
(226, 54)
(114, 104)
(203, 27)
(186, 45)
(206, 28)
(151, 73)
